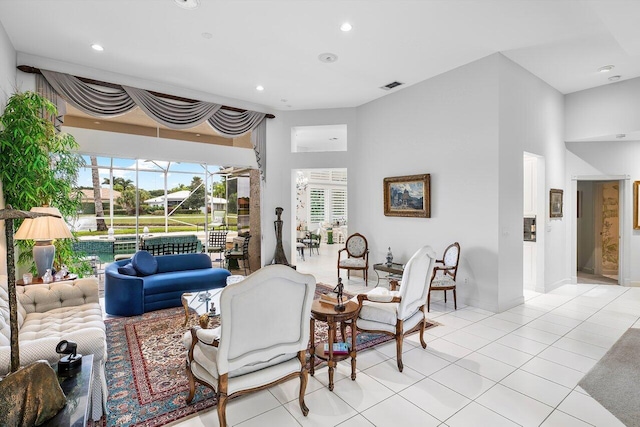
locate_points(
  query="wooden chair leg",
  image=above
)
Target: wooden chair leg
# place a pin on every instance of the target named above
(445, 296)
(303, 382)
(455, 303)
(422, 328)
(399, 338)
(223, 382)
(428, 300)
(192, 385)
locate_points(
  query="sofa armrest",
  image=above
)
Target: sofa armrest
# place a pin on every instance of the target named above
(123, 295)
(45, 297)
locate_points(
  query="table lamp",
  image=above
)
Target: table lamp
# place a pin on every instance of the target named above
(43, 230)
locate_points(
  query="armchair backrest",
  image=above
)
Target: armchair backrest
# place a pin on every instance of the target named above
(356, 246)
(450, 259)
(415, 281)
(265, 315)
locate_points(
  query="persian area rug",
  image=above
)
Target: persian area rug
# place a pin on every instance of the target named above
(146, 374)
(613, 381)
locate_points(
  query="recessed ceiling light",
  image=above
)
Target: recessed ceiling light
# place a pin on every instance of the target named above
(207, 35)
(346, 27)
(259, 88)
(97, 47)
(614, 78)
(188, 4)
(197, 134)
(606, 68)
(97, 123)
(328, 57)
(620, 135)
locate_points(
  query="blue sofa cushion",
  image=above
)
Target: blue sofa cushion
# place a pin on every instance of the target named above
(128, 270)
(144, 263)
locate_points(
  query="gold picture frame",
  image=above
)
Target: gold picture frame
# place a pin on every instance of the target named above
(636, 201)
(555, 203)
(408, 196)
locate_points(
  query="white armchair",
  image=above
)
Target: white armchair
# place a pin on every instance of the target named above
(262, 338)
(399, 313)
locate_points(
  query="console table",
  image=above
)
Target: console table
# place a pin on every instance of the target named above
(76, 386)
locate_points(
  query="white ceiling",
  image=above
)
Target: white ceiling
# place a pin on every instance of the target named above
(276, 43)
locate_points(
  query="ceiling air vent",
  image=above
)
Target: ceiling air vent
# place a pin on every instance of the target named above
(390, 85)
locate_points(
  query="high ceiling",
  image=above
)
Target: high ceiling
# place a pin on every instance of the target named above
(228, 47)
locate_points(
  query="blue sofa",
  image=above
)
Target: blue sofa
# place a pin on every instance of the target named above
(130, 295)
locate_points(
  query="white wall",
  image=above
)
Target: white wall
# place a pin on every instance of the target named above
(7, 85)
(144, 147)
(446, 126)
(531, 120)
(604, 110)
(282, 164)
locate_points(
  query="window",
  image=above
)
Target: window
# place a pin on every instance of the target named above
(308, 139)
(338, 205)
(316, 202)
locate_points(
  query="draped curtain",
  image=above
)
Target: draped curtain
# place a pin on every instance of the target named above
(103, 102)
(44, 88)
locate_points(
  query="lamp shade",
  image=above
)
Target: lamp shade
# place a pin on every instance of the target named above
(43, 230)
(44, 227)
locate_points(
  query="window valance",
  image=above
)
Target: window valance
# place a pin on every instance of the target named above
(108, 102)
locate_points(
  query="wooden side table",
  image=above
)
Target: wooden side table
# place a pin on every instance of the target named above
(326, 313)
(38, 280)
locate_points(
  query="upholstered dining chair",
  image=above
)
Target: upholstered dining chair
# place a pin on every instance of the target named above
(354, 256)
(262, 339)
(217, 243)
(399, 313)
(444, 275)
(241, 254)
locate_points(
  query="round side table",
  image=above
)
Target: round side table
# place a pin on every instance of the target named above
(325, 312)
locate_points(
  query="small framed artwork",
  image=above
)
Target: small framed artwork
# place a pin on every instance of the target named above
(408, 196)
(636, 205)
(555, 203)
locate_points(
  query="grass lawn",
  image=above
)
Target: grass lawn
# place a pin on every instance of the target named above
(176, 223)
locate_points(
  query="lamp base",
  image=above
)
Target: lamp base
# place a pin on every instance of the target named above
(69, 363)
(43, 253)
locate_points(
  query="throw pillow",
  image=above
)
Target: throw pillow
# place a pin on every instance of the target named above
(144, 263)
(128, 270)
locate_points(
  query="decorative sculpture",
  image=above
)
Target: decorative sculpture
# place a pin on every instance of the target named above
(280, 257)
(389, 257)
(339, 290)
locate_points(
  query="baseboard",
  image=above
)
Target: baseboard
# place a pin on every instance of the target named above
(632, 283)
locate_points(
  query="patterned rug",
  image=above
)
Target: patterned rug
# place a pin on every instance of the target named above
(146, 367)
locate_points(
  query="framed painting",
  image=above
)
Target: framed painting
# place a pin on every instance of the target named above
(636, 205)
(408, 196)
(555, 203)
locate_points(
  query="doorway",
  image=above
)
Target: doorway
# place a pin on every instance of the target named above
(320, 220)
(598, 231)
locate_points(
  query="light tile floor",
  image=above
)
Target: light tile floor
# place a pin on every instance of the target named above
(520, 367)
